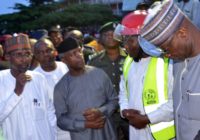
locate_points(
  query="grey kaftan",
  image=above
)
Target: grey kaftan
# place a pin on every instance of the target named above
(74, 94)
(186, 97)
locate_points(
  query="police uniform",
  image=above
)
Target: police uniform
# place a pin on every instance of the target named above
(112, 68)
(87, 51)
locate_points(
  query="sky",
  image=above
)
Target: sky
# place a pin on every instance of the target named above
(5, 5)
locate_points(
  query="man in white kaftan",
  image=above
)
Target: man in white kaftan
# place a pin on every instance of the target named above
(144, 116)
(29, 116)
(26, 111)
(136, 77)
(54, 76)
(52, 70)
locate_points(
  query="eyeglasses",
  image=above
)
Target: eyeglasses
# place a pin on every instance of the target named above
(22, 55)
(125, 39)
(48, 51)
(130, 40)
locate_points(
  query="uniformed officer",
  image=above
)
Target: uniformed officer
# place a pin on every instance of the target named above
(87, 50)
(111, 60)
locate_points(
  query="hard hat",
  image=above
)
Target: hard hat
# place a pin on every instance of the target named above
(131, 24)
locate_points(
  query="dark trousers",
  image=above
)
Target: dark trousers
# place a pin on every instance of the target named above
(122, 126)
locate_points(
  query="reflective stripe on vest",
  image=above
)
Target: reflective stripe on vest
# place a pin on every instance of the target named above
(126, 67)
(155, 94)
(159, 68)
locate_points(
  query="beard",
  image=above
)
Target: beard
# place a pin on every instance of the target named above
(139, 56)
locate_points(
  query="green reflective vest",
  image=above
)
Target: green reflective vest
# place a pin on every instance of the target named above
(126, 67)
(156, 93)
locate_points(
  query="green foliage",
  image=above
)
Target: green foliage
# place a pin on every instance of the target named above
(44, 16)
(39, 2)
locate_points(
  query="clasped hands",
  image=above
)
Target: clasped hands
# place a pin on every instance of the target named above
(136, 119)
(94, 118)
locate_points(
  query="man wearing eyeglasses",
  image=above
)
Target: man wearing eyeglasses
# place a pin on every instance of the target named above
(145, 89)
(166, 27)
(26, 112)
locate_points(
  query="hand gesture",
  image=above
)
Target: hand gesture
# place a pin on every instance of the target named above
(92, 114)
(136, 119)
(129, 112)
(94, 118)
(95, 124)
(21, 80)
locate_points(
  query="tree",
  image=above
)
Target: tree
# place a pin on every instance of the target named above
(39, 2)
(45, 16)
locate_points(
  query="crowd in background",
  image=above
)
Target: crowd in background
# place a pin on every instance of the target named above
(93, 82)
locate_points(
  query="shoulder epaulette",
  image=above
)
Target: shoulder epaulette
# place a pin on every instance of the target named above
(95, 55)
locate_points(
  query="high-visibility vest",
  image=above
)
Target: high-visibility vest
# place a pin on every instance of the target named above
(156, 93)
(126, 67)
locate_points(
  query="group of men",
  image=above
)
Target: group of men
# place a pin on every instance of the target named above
(157, 83)
(146, 101)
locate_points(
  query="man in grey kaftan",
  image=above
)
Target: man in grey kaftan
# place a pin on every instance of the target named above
(73, 95)
(177, 38)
